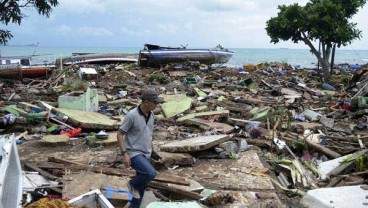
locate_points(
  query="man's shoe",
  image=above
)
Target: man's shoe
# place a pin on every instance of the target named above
(133, 191)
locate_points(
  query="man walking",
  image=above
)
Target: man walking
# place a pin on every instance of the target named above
(135, 143)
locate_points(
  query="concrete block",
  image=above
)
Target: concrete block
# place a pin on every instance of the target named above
(84, 101)
(338, 197)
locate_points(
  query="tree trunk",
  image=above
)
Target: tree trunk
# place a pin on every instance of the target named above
(324, 60)
(333, 58)
(325, 70)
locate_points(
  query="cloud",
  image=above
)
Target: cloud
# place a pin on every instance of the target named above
(84, 31)
(94, 31)
(224, 5)
(82, 6)
(65, 30)
(135, 32)
(204, 23)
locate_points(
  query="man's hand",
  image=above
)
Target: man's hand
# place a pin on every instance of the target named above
(126, 160)
(155, 156)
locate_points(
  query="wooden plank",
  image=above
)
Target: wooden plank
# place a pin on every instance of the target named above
(322, 149)
(62, 161)
(335, 181)
(259, 143)
(45, 174)
(195, 144)
(171, 179)
(313, 145)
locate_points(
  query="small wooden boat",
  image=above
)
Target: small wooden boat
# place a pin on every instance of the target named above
(19, 67)
(156, 56)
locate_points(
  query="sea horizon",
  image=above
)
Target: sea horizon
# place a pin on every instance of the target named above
(293, 56)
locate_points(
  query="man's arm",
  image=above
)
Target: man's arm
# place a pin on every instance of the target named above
(126, 158)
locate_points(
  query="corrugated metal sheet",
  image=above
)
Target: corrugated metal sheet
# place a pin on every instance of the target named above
(10, 173)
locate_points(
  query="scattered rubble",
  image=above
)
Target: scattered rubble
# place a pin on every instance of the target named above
(266, 135)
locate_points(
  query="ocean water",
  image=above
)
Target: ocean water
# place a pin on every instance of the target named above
(301, 57)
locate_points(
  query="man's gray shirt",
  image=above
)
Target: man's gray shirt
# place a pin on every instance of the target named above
(138, 131)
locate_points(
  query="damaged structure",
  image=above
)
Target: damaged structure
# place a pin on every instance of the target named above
(268, 135)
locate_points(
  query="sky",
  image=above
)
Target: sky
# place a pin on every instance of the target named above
(196, 23)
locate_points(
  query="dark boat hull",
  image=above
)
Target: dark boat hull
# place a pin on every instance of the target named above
(24, 72)
(157, 58)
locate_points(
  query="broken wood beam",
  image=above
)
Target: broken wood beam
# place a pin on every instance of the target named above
(335, 181)
(62, 123)
(62, 161)
(259, 143)
(171, 179)
(159, 195)
(180, 192)
(323, 149)
(45, 174)
(313, 145)
(341, 138)
(115, 171)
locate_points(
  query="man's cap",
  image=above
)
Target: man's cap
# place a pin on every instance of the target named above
(151, 94)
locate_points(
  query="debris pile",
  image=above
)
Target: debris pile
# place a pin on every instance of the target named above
(260, 135)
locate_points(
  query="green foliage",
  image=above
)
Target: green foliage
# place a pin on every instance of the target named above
(233, 155)
(326, 21)
(281, 111)
(5, 35)
(161, 78)
(298, 146)
(11, 12)
(360, 161)
(287, 24)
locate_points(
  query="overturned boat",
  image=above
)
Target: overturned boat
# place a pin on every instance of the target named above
(156, 56)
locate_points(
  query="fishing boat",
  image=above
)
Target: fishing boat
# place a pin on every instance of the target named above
(156, 56)
(19, 67)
